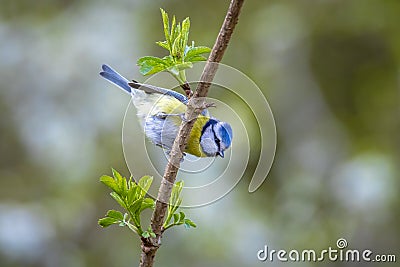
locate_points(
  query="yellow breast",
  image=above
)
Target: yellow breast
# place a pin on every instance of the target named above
(193, 146)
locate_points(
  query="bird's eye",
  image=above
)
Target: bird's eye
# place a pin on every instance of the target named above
(216, 140)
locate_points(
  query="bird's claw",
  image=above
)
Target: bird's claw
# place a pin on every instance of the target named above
(209, 105)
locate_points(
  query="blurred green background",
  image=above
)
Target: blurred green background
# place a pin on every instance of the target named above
(329, 69)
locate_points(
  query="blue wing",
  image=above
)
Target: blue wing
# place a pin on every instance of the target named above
(158, 90)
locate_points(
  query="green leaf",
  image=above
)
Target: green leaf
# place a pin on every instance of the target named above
(150, 231)
(176, 191)
(174, 34)
(115, 214)
(146, 234)
(110, 182)
(112, 217)
(148, 203)
(195, 52)
(118, 199)
(173, 29)
(183, 66)
(197, 59)
(150, 65)
(189, 223)
(107, 221)
(181, 217)
(166, 25)
(168, 60)
(151, 60)
(132, 193)
(177, 204)
(146, 69)
(176, 49)
(163, 44)
(134, 208)
(185, 35)
(145, 183)
(121, 182)
(176, 218)
(116, 174)
(178, 187)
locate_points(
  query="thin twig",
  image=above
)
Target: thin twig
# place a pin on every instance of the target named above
(195, 106)
(187, 89)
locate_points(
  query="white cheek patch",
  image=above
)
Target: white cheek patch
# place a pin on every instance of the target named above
(208, 145)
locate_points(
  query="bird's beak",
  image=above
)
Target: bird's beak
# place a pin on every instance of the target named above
(220, 153)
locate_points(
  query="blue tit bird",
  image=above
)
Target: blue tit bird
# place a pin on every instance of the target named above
(160, 112)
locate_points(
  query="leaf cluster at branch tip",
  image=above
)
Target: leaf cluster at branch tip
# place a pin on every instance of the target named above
(175, 201)
(131, 196)
(181, 55)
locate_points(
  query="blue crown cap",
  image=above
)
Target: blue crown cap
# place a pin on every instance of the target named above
(225, 132)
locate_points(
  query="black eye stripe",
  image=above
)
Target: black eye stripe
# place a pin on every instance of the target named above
(216, 138)
(209, 122)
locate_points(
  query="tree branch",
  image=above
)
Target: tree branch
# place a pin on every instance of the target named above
(195, 106)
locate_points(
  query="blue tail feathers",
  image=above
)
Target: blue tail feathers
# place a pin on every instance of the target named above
(111, 75)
